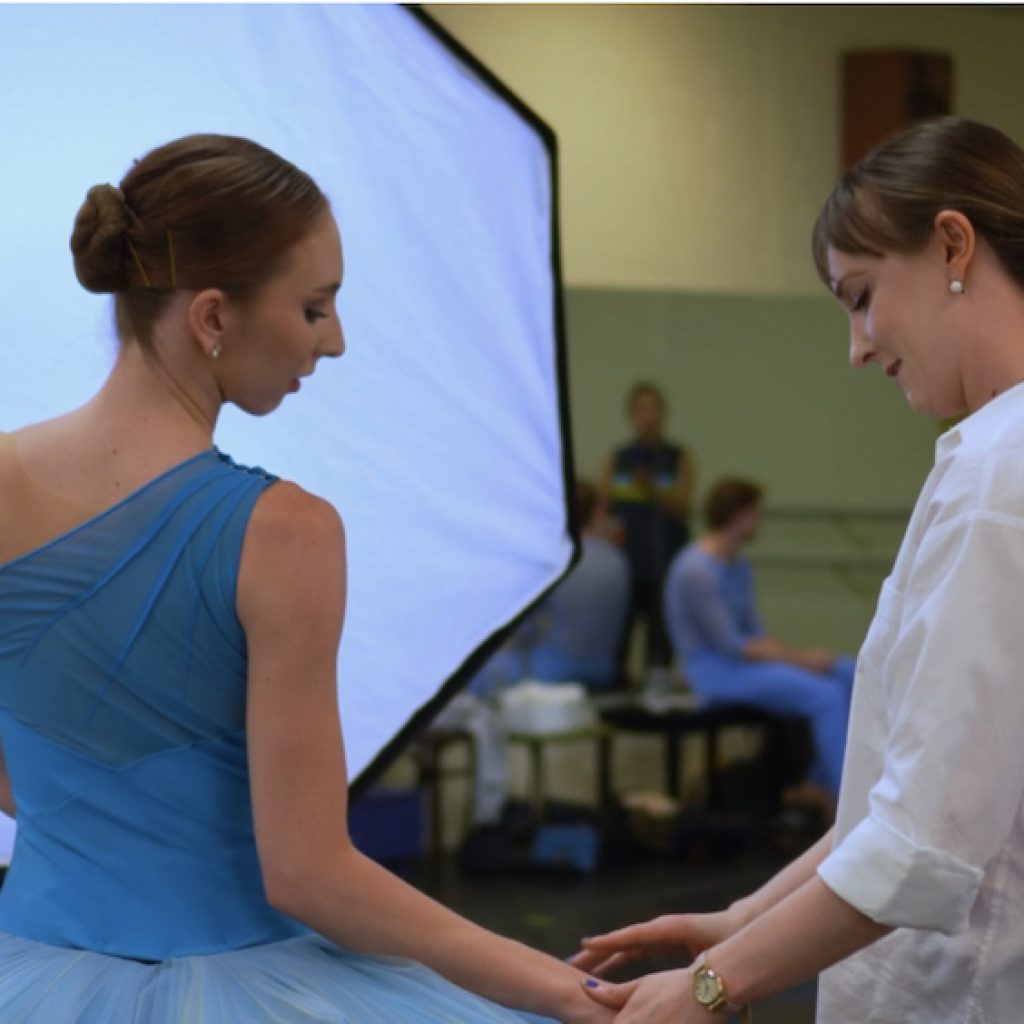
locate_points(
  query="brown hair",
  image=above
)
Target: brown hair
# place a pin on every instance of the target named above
(204, 211)
(727, 499)
(644, 387)
(888, 202)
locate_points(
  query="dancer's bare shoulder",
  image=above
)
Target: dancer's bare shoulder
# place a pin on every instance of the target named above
(288, 516)
(293, 556)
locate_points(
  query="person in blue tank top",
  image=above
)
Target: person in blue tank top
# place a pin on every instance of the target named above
(646, 486)
(169, 624)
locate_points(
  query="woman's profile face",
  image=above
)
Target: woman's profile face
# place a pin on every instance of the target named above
(904, 319)
(288, 325)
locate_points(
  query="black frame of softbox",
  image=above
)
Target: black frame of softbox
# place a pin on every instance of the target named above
(478, 658)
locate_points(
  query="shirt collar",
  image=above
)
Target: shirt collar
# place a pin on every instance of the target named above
(981, 420)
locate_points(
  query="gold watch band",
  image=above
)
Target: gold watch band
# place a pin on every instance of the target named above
(721, 1004)
(744, 1014)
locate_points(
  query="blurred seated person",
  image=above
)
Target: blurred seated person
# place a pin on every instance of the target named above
(727, 657)
(573, 636)
(582, 622)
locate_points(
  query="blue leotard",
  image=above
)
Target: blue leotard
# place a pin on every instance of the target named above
(135, 895)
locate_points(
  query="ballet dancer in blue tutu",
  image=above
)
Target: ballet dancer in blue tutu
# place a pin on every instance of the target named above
(169, 624)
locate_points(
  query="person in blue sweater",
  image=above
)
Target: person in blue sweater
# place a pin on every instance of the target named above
(728, 658)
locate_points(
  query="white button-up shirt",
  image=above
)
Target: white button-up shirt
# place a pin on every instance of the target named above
(929, 835)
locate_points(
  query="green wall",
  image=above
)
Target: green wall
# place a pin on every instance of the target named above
(761, 386)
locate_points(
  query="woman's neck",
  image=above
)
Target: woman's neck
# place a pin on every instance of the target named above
(994, 362)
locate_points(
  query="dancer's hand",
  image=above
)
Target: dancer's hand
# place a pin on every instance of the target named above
(575, 1007)
(592, 1013)
(665, 998)
(671, 935)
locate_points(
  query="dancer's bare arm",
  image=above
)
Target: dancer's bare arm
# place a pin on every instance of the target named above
(292, 602)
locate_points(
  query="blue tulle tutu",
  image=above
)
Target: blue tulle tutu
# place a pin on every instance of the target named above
(307, 980)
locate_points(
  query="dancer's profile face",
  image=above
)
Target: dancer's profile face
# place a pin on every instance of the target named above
(289, 324)
(904, 319)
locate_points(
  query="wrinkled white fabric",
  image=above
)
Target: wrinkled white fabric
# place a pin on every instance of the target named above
(930, 832)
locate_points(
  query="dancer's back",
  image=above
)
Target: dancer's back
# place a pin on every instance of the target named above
(122, 697)
(169, 631)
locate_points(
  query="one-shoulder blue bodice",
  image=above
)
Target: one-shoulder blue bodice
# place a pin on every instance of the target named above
(122, 714)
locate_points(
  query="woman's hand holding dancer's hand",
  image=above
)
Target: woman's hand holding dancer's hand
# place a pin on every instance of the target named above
(592, 1012)
(664, 998)
(671, 935)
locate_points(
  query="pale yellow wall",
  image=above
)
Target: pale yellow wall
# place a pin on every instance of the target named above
(696, 145)
(697, 142)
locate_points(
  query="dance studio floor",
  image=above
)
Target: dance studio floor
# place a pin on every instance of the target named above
(551, 913)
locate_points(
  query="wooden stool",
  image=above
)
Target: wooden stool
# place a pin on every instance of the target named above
(599, 735)
(429, 750)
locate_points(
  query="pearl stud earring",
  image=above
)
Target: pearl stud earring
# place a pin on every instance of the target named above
(216, 351)
(956, 286)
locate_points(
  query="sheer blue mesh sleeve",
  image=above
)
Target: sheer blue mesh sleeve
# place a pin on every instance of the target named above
(120, 638)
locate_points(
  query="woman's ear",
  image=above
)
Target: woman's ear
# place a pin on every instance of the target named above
(955, 233)
(209, 316)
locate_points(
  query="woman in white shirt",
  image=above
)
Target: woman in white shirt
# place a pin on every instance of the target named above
(913, 905)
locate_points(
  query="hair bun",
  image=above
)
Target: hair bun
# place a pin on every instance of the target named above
(98, 241)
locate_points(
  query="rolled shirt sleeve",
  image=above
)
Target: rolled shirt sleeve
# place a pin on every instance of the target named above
(952, 689)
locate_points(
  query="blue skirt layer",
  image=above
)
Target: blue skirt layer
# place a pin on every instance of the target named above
(306, 980)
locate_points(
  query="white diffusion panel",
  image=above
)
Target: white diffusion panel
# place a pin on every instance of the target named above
(438, 435)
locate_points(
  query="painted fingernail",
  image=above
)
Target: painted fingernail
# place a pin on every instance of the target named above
(590, 983)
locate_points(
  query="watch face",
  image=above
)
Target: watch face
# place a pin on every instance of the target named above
(707, 988)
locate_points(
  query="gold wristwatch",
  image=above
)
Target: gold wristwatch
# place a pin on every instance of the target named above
(709, 991)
